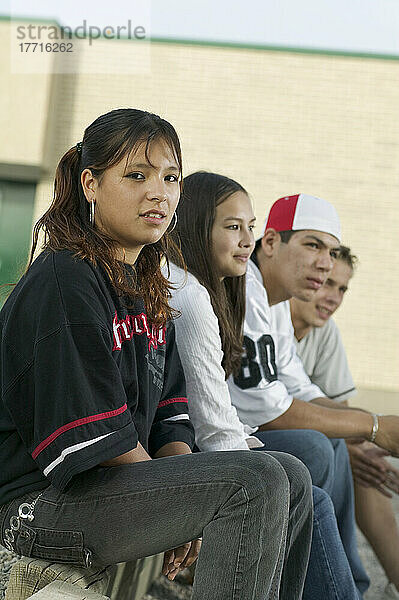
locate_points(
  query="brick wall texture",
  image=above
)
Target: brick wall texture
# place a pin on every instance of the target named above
(280, 123)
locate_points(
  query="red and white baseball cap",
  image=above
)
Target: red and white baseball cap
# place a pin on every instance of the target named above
(292, 213)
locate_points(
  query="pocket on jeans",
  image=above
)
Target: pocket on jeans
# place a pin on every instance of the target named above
(48, 544)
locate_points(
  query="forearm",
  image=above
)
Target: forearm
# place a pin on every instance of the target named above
(328, 403)
(173, 449)
(138, 454)
(350, 423)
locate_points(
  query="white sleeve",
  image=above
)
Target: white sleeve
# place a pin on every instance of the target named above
(290, 368)
(256, 391)
(215, 420)
(331, 372)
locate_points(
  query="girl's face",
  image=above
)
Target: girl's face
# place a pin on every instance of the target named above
(232, 235)
(135, 202)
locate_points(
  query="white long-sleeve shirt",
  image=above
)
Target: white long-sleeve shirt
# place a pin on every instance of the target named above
(271, 372)
(215, 420)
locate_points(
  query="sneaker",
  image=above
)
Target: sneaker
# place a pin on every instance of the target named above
(390, 592)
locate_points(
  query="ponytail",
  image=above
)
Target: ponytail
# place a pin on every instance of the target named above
(66, 201)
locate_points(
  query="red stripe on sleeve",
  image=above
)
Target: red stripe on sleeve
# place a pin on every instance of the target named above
(171, 401)
(73, 424)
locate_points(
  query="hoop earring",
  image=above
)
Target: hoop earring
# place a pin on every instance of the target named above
(92, 211)
(175, 223)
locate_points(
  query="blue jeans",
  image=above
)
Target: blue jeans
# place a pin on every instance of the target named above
(328, 463)
(329, 576)
(254, 511)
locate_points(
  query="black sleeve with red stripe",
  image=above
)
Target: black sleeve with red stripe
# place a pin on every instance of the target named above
(80, 409)
(171, 422)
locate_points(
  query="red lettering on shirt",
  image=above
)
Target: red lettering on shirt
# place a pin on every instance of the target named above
(124, 329)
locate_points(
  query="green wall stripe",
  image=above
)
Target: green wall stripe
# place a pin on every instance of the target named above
(234, 45)
(289, 49)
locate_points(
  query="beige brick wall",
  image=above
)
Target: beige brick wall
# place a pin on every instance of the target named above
(279, 123)
(24, 106)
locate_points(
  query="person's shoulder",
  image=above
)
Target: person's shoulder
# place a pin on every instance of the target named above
(254, 282)
(320, 339)
(70, 275)
(186, 287)
(253, 275)
(70, 268)
(31, 291)
(282, 309)
(179, 278)
(75, 285)
(281, 315)
(329, 331)
(192, 300)
(62, 266)
(257, 302)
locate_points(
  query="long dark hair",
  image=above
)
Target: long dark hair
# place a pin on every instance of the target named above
(66, 223)
(202, 193)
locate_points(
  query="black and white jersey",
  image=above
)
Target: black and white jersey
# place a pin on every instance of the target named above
(83, 378)
(271, 373)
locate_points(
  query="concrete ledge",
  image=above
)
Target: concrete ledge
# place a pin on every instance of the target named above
(133, 579)
(125, 581)
(30, 575)
(59, 590)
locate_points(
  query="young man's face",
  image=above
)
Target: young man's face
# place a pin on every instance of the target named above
(302, 266)
(326, 300)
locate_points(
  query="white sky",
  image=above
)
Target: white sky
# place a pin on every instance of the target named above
(351, 25)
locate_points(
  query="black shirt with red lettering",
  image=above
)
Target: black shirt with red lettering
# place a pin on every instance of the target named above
(83, 378)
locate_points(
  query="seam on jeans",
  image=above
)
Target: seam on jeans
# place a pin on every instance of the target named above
(260, 556)
(326, 560)
(122, 497)
(51, 502)
(240, 545)
(275, 587)
(283, 537)
(282, 546)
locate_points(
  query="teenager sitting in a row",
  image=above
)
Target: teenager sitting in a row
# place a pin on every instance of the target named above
(215, 222)
(319, 346)
(92, 390)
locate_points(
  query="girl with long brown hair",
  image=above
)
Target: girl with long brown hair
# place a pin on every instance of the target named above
(212, 301)
(92, 390)
(215, 233)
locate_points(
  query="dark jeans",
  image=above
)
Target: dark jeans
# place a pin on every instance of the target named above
(253, 509)
(329, 466)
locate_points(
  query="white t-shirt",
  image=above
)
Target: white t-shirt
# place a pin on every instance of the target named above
(215, 420)
(324, 358)
(271, 373)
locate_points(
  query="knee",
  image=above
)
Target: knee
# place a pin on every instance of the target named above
(298, 474)
(257, 472)
(340, 448)
(322, 503)
(321, 449)
(319, 443)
